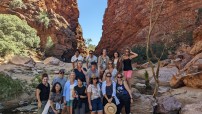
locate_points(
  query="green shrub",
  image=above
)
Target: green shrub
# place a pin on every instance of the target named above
(16, 36)
(43, 18)
(141, 51)
(9, 88)
(16, 4)
(35, 81)
(49, 46)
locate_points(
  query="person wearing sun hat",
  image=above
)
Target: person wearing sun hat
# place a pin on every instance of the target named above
(109, 91)
(94, 96)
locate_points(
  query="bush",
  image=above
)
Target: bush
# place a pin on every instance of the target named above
(43, 18)
(9, 88)
(49, 46)
(16, 36)
(141, 51)
(16, 4)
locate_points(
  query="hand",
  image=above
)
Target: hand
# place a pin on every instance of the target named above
(90, 107)
(131, 100)
(39, 104)
(55, 111)
(110, 100)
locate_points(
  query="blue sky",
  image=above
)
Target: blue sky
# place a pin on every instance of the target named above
(91, 16)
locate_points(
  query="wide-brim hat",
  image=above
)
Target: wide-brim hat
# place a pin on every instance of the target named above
(110, 108)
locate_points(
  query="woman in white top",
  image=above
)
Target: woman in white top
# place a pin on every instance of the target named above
(110, 69)
(68, 90)
(94, 96)
(102, 62)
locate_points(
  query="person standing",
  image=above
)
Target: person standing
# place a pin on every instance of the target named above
(117, 62)
(109, 91)
(80, 72)
(42, 93)
(124, 94)
(94, 96)
(102, 62)
(92, 72)
(76, 58)
(67, 93)
(90, 58)
(80, 98)
(56, 99)
(111, 70)
(60, 78)
(127, 64)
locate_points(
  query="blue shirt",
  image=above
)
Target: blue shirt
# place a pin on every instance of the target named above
(66, 92)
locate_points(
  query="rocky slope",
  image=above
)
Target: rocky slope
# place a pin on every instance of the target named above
(126, 22)
(55, 18)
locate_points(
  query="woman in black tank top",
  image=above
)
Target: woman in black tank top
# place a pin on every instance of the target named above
(127, 65)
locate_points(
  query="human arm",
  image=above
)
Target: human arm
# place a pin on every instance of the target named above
(38, 97)
(133, 55)
(89, 92)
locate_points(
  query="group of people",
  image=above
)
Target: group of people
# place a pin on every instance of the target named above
(104, 81)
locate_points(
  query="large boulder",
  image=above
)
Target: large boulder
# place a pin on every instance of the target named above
(51, 61)
(22, 61)
(143, 104)
(168, 105)
(165, 75)
(195, 108)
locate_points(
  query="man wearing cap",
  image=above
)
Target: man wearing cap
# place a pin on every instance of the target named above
(76, 58)
(90, 58)
(60, 78)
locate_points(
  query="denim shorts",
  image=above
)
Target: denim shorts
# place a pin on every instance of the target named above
(96, 105)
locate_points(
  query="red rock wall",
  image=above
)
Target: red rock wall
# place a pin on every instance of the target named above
(63, 28)
(126, 22)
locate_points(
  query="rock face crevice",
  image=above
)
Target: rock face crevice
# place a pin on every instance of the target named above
(126, 22)
(63, 26)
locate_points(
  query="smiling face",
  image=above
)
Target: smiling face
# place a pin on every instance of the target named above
(57, 87)
(80, 83)
(72, 76)
(45, 80)
(108, 76)
(119, 76)
(116, 55)
(110, 64)
(104, 52)
(127, 52)
(79, 64)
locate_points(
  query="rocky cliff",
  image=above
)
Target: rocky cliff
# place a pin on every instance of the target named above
(126, 22)
(55, 18)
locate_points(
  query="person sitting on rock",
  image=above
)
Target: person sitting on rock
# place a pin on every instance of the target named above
(76, 58)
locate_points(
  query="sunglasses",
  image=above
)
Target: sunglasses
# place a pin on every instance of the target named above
(108, 76)
(119, 77)
(95, 79)
(90, 53)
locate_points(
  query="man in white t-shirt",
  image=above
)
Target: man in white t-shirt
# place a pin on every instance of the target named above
(90, 58)
(75, 58)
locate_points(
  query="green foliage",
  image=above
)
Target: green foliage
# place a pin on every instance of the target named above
(49, 46)
(141, 51)
(89, 45)
(9, 88)
(35, 81)
(16, 36)
(146, 75)
(16, 4)
(43, 18)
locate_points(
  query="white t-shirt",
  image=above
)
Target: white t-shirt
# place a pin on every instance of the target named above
(89, 60)
(75, 59)
(95, 91)
(71, 90)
